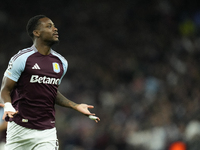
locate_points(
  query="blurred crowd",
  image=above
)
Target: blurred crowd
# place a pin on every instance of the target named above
(135, 61)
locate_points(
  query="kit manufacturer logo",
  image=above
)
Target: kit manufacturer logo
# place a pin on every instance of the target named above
(36, 66)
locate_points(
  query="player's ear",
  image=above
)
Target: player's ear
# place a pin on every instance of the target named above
(36, 33)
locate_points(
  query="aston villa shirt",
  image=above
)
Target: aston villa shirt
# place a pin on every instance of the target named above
(37, 79)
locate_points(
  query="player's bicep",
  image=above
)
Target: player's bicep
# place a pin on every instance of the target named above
(6, 88)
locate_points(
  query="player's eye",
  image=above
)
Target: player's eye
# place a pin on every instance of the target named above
(49, 26)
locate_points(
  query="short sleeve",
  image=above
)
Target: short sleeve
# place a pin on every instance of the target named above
(15, 68)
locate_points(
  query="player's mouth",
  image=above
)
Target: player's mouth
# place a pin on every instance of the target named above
(56, 35)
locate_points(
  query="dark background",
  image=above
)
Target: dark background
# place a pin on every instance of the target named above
(136, 61)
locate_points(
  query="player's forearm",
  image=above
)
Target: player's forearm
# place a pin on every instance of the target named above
(63, 101)
(6, 88)
(5, 96)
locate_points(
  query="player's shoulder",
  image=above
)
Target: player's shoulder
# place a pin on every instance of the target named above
(23, 54)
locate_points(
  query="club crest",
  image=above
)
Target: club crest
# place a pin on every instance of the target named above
(56, 67)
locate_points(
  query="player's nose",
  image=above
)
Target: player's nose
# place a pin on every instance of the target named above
(55, 29)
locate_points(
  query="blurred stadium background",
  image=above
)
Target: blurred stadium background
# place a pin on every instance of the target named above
(136, 61)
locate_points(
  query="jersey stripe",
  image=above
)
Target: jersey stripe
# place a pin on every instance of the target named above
(21, 53)
(55, 53)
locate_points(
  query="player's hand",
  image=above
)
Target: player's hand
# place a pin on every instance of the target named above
(10, 114)
(83, 108)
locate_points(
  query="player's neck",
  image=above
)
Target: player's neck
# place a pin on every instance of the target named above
(43, 49)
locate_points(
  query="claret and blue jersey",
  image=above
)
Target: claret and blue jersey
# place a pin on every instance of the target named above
(38, 77)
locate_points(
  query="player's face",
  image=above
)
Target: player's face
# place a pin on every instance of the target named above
(47, 31)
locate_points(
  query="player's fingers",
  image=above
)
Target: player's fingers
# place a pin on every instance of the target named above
(14, 113)
(89, 114)
(95, 118)
(98, 119)
(90, 106)
(11, 114)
